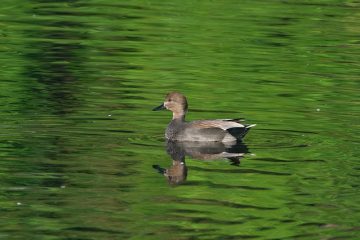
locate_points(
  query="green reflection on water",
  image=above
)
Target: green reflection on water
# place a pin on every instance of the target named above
(78, 140)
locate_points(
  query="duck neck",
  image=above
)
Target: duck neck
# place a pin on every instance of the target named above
(179, 116)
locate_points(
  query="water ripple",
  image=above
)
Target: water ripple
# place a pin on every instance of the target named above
(221, 203)
(240, 171)
(224, 186)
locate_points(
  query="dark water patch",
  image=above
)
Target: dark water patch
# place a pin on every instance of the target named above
(316, 224)
(55, 167)
(322, 4)
(52, 182)
(118, 51)
(126, 38)
(48, 214)
(44, 11)
(264, 228)
(321, 225)
(286, 95)
(271, 43)
(338, 237)
(125, 173)
(280, 35)
(93, 229)
(286, 220)
(239, 236)
(76, 238)
(303, 193)
(206, 220)
(189, 211)
(356, 228)
(189, 232)
(266, 81)
(83, 171)
(96, 119)
(304, 235)
(109, 5)
(51, 23)
(144, 144)
(282, 21)
(118, 131)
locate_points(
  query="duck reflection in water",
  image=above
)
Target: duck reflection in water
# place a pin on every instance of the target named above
(177, 172)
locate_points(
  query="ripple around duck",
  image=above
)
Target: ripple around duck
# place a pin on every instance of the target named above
(224, 186)
(241, 171)
(221, 203)
(275, 160)
(281, 139)
(287, 131)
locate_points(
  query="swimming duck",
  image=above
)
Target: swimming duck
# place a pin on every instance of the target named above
(219, 130)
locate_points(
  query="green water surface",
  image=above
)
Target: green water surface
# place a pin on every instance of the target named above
(78, 139)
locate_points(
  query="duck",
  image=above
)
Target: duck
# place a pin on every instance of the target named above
(217, 130)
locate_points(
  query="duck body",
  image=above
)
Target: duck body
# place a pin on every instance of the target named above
(206, 130)
(219, 130)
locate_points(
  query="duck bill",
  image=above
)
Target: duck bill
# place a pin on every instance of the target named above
(158, 108)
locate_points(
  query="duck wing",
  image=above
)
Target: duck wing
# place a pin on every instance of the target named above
(227, 130)
(223, 124)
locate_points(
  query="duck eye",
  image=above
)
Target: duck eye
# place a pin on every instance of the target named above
(170, 100)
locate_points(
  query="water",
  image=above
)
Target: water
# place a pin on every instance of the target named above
(82, 154)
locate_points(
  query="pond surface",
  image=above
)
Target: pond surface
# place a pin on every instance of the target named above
(82, 156)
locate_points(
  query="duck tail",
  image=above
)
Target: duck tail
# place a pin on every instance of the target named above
(250, 125)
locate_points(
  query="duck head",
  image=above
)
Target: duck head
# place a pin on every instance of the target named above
(175, 102)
